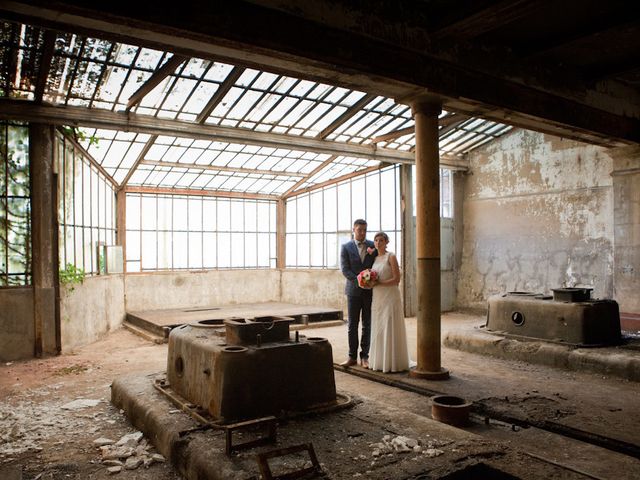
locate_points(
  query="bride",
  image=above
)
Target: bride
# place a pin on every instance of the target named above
(389, 352)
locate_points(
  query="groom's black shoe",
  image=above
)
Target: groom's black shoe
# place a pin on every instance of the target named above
(350, 362)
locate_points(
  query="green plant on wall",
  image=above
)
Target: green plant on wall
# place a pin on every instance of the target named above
(78, 135)
(71, 276)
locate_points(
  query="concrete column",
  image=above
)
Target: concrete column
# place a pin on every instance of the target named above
(281, 234)
(121, 225)
(425, 113)
(44, 233)
(410, 301)
(458, 226)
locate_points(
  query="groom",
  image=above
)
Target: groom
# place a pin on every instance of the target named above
(356, 256)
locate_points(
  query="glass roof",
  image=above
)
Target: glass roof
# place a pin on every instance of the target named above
(99, 74)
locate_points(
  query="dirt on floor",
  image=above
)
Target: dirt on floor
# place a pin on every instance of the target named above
(55, 413)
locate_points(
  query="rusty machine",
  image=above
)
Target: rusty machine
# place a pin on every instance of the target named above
(250, 369)
(570, 316)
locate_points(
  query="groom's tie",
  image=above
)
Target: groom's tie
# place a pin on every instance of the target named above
(361, 250)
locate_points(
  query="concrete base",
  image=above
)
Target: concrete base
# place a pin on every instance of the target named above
(337, 437)
(442, 374)
(621, 361)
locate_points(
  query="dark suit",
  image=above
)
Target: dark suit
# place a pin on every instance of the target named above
(358, 299)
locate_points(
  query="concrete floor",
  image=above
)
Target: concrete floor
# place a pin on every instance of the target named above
(43, 441)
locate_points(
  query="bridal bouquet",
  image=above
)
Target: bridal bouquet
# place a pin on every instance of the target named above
(367, 278)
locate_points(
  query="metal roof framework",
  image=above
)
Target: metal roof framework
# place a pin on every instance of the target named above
(222, 128)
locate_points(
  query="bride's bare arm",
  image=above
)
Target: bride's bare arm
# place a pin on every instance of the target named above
(395, 272)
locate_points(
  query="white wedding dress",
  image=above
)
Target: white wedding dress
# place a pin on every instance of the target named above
(389, 351)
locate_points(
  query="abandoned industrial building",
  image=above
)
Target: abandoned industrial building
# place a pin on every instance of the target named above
(187, 290)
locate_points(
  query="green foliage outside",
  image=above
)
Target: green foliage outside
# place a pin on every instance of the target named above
(71, 276)
(79, 136)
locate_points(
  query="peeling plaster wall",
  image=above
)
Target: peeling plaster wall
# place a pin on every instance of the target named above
(161, 290)
(537, 215)
(16, 324)
(90, 310)
(626, 187)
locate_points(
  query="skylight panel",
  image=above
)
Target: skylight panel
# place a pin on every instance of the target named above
(244, 104)
(247, 77)
(313, 116)
(263, 107)
(265, 81)
(149, 59)
(302, 88)
(203, 92)
(179, 94)
(280, 110)
(174, 154)
(319, 90)
(132, 155)
(202, 180)
(218, 72)
(187, 179)
(156, 152)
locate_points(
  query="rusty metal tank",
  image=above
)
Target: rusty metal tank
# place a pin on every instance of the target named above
(571, 316)
(250, 368)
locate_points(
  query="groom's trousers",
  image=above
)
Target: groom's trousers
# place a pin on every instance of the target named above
(359, 307)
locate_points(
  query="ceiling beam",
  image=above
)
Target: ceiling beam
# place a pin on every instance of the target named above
(200, 193)
(140, 158)
(443, 123)
(346, 115)
(487, 19)
(333, 181)
(152, 82)
(328, 161)
(45, 64)
(452, 126)
(395, 134)
(217, 97)
(89, 157)
(132, 122)
(214, 168)
(287, 44)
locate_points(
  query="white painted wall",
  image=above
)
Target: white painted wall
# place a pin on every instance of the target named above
(323, 288)
(161, 290)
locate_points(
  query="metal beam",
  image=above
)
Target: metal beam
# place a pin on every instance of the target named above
(346, 115)
(201, 193)
(132, 122)
(91, 160)
(395, 134)
(342, 178)
(45, 64)
(193, 166)
(141, 156)
(328, 161)
(220, 93)
(163, 72)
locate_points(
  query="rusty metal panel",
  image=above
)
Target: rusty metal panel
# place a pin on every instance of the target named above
(583, 323)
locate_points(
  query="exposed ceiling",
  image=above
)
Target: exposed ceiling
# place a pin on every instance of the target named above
(193, 70)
